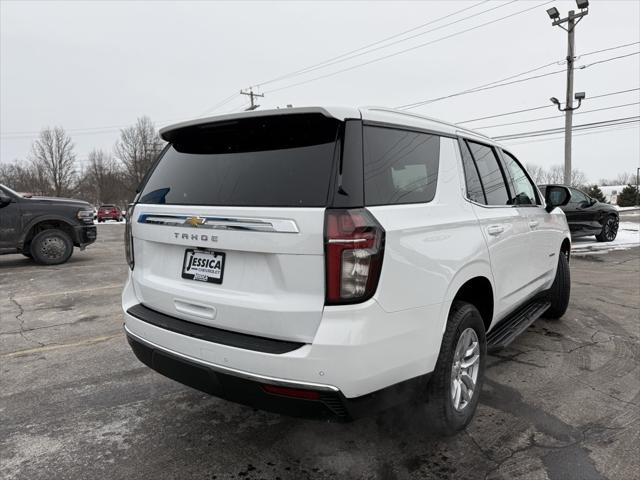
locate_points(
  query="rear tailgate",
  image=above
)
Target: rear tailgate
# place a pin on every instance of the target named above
(249, 197)
(272, 282)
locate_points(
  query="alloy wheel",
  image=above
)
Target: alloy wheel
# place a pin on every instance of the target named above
(464, 370)
(611, 228)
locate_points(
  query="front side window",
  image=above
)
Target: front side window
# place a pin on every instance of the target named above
(523, 191)
(399, 166)
(490, 172)
(577, 197)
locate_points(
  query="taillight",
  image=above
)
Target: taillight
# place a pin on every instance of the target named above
(128, 237)
(354, 246)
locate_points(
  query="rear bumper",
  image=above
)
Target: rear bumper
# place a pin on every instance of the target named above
(84, 235)
(109, 216)
(357, 349)
(328, 402)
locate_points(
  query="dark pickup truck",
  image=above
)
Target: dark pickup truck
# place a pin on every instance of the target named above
(45, 229)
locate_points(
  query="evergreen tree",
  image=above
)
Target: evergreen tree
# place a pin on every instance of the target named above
(594, 192)
(628, 197)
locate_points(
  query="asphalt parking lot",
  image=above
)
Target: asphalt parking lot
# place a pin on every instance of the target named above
(561, 403)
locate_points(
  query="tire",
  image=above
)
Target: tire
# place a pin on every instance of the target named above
(445, 417)
(51, 247)
(560, 291)
(609, 229)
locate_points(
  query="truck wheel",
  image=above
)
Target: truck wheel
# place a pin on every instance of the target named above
(455, 385)
(51, 247)
(609, 230)
(560, 291)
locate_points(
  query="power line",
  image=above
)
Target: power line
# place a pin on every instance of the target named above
(584, 126)
(591, 97)
(431, 42)
(493, 85)
(608, 49)
(489, 86)
(221, 103)
(557, 116)
(354, 53)
(588, 132)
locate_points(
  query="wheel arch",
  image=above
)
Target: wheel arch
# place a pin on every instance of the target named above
(473, 284)
(565, 248)
(46, 222)
(478, 291)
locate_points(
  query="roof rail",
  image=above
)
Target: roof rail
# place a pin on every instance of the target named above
(431, 119)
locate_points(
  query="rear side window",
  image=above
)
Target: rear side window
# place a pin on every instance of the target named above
(280, 161)
(474, 186)
(490, 172)
(399, 166)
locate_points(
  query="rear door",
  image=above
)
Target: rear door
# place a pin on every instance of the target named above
(505, 229)
(228, 230)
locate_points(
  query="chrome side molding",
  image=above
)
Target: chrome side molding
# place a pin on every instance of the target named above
(276, 225)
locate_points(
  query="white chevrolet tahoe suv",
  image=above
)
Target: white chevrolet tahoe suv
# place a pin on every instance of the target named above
(336, 261)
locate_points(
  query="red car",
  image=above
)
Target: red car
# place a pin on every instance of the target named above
(109, 212)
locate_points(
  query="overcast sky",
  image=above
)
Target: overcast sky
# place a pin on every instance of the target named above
(94, 67)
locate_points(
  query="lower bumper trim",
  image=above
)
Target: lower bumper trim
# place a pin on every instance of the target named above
(248, 389)
(231, 371)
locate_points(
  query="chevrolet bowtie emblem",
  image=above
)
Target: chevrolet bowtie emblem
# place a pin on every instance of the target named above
(195, 221)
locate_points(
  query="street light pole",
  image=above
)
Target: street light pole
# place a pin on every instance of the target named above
(571, 20)
(568, 113)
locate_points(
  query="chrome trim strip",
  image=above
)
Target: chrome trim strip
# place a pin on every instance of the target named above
(238, 373)
(346, 240)
(277, 225)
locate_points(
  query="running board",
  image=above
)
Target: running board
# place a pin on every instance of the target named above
(508, 329)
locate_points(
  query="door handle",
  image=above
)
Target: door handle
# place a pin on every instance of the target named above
(495, 229)
(533, 223)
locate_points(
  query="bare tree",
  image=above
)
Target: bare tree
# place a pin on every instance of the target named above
(625, 178)
(537, 173)
(103, 180)
(137, 148)
(53, 160)
(555, 174)
(100, 170)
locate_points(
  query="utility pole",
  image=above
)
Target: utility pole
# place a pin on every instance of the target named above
(571, 20)
(251, 96)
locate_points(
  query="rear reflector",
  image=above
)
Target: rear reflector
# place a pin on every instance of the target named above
(354, 246)
(292, 392)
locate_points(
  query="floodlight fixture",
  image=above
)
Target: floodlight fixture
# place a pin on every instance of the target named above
(553, 13)
(582, 4)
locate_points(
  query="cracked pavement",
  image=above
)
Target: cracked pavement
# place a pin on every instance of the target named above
(562, 402)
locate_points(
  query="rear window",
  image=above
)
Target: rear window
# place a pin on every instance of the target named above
(400, 166)
(280, 161)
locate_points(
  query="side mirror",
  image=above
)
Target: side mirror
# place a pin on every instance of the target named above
(556, 196)
(4, 200)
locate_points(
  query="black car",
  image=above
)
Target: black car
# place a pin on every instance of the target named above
(587, 216)
(45, 229)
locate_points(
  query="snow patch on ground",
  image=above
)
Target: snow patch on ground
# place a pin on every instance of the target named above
(628, 237)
